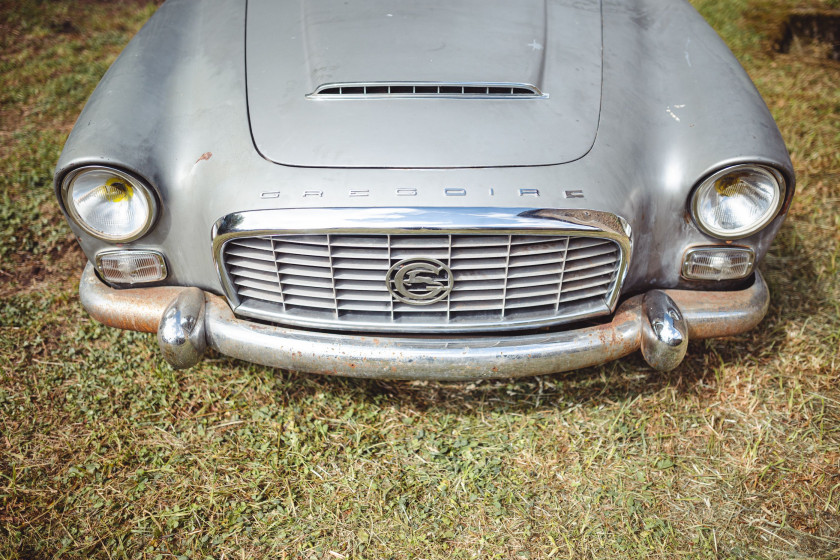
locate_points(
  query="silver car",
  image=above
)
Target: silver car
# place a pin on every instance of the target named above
(438, 189)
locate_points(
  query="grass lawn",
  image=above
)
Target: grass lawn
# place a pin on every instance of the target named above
(106, 452)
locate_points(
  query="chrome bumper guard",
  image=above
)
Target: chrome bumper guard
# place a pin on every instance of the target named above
(660, 323)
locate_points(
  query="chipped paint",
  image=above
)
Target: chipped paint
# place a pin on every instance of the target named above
(204, 157)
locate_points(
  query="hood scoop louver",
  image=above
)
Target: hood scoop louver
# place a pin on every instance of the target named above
(464, 90)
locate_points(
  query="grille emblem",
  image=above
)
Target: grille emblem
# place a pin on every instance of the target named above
(419, 281)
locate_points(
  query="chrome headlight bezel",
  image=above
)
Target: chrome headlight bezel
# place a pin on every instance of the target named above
(707, 185)
(137, 183)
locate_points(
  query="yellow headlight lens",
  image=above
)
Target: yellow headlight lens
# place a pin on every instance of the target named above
(109, 204)
(115, 190)
(738, 201)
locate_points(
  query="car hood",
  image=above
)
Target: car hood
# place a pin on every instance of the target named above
(295, 48)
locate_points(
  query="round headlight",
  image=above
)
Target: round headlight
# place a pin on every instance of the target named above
(109, 204)
(738, 201)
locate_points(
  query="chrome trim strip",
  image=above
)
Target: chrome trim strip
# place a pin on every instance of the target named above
(321, 91)
(372, 221)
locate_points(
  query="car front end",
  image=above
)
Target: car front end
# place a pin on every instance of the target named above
(500, 192)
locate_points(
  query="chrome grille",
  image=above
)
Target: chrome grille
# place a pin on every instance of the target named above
(339, 280)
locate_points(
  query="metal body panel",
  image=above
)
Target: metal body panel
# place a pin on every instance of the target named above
(294, 48)
(675, 107)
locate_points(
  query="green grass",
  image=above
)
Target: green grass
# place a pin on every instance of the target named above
(105, 452)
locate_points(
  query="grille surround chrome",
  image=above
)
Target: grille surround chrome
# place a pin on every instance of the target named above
(419, 222)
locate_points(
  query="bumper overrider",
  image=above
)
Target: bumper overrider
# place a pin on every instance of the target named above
(660, 322)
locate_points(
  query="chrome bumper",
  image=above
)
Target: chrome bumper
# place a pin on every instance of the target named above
(660, 323)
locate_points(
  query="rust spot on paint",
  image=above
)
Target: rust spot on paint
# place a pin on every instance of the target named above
(205, 156)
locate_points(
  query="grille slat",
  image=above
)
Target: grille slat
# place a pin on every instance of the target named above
(362, 295)
(257, 243)
(267, 287)
(537, 249)
(294, 270)
(291, 300)
(477, 295)
(362, 264)
(248, 254)
(529, 291)
(365, 275)
(260, 295)
(301, 249)
(536, 260)
(255, 274)
(343, 251)
(489, 284)
(303, 239)
(306, 291)
(360, 241)
(304, 260)
(361, 285)
(534, 280)
(310, 281)
(340, 280)
(405, 308)
(581, 264)
(479, 274)
(590, 252)
(479, 241)
(537, 301)
(432, 253)
(477, 264)
(419, 242)
(477, 305)
(363, 306)
(479, 252)
(588, 272)
(585, 283)
(582, 242)
(582, 294)
(257, 263)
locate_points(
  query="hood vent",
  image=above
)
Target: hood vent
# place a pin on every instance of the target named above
(465, 90)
